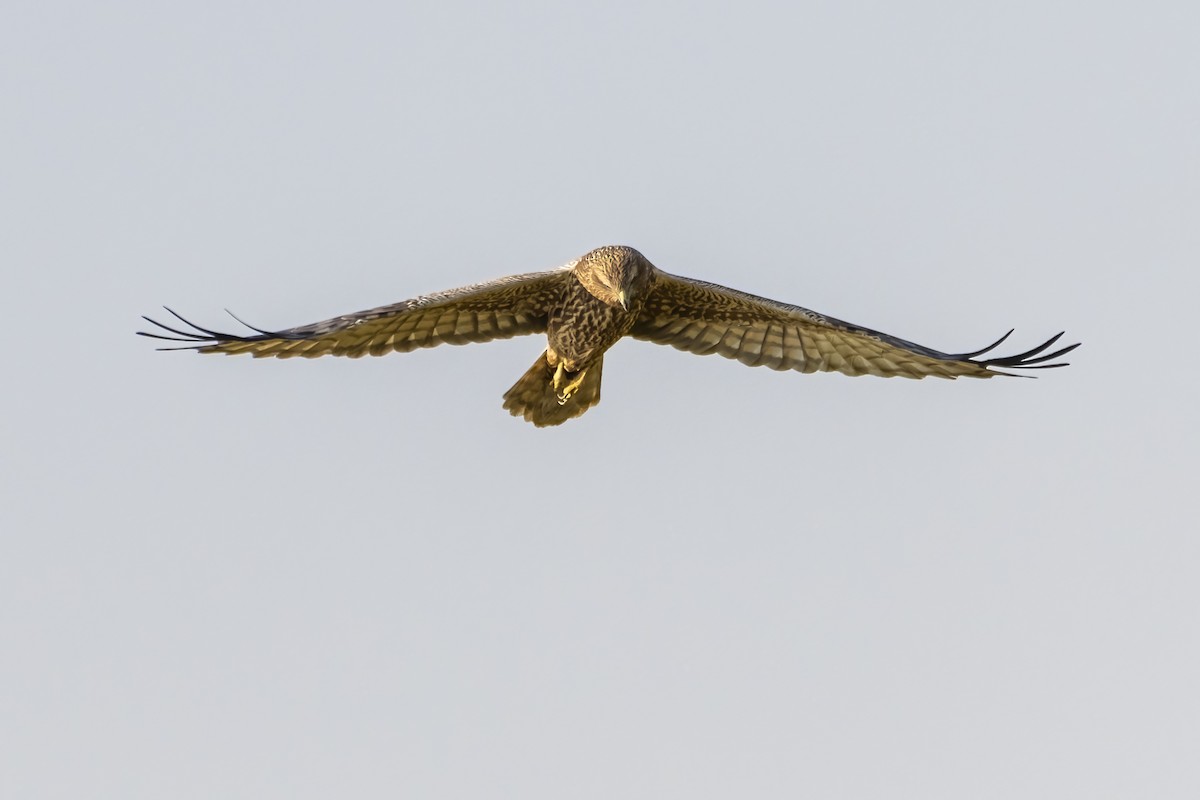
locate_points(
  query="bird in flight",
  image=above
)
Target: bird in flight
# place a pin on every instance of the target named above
(585, 306)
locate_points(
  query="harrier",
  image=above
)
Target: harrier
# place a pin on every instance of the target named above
(585, 306)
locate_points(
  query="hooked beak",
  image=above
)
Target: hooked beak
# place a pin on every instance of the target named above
(624, 299)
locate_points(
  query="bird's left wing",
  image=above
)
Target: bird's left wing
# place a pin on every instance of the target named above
(499, 309)
(705, 318)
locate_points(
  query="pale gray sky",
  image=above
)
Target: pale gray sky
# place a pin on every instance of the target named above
(230, 578)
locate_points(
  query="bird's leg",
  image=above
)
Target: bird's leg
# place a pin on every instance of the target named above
(564, 389)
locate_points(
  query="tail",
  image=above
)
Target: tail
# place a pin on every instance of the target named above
(534, 397)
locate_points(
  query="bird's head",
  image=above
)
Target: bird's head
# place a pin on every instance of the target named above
(615, 275)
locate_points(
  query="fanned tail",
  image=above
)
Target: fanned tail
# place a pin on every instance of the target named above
(535, 398)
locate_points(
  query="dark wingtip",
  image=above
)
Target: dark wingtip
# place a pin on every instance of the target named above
(1030, 359)
(272, 334)
(210, 334)
(990, 347)
(201, 337)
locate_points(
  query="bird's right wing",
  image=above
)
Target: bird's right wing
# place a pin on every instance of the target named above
(499, 309)
(705, 318)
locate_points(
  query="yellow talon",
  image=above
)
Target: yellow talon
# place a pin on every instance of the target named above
(566, 392)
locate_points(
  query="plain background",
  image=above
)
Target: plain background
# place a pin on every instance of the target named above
(222, 577)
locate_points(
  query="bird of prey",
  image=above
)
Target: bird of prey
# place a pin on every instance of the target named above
(585, 306)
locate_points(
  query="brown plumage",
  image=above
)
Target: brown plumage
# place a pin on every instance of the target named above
(586, 306)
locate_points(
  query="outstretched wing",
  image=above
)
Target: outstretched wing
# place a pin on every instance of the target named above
(705, 318)
(500, 309)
